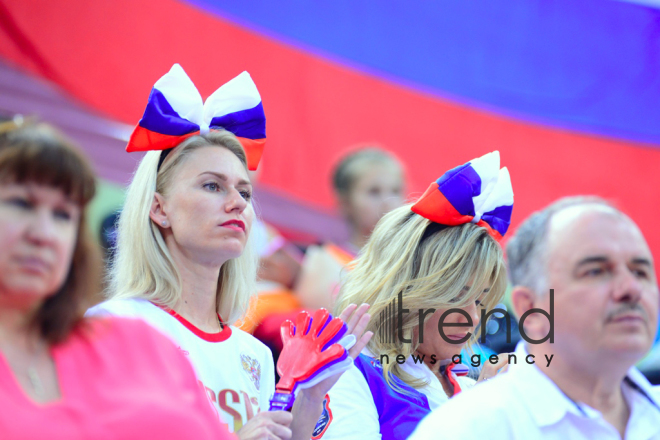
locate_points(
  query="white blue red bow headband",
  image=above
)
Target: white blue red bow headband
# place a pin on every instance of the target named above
(476, 192)
(175, 112)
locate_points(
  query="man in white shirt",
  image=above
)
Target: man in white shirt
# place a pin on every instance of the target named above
(602, 321)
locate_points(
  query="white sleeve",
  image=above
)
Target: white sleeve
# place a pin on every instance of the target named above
(267, 388)
(134, 309)
(100, 310)
(350, 412)
(123, 308)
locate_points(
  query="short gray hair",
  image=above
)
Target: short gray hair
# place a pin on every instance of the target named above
(526, 251)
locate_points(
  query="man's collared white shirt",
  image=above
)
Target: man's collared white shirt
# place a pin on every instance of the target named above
(525, 404)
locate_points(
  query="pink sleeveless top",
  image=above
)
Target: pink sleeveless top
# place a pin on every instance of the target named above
(119, 379)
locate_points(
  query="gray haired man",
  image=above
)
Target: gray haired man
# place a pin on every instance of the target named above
(604, 318)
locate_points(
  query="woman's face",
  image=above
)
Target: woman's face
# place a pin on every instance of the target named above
(38, 232)
(208, 207)
(375, 193)
(435, 344)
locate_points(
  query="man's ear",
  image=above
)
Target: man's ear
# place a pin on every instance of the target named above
(157, 212)
(524, 299)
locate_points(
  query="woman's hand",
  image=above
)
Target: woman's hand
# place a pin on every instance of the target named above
(491, 370)
(356, 319)
(267, 425)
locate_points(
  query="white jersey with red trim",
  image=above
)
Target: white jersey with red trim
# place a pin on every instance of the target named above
(235, 369)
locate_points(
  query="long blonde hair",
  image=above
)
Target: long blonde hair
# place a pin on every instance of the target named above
(430, 264)
(143, 266)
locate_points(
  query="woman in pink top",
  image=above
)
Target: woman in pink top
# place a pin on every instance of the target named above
(62, 376)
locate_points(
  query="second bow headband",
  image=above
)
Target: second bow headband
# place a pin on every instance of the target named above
(175, 112)
(476, 192)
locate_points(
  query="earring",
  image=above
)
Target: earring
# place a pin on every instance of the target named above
(164, 223)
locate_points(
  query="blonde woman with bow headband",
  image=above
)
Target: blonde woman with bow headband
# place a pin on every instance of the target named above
(184, 260)
(438, 254)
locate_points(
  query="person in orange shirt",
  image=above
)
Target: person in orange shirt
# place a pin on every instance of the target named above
(279, 267)
(368, 183)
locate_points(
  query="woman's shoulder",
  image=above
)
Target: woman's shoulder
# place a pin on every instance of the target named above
(119, 340)
(121, 330)
(108, 347)
(246, 340)
(366, 373)
(352, 380)
(127, 307)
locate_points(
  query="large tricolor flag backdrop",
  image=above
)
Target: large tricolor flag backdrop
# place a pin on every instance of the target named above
(568, 92)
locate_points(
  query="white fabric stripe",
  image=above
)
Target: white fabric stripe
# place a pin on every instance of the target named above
(500, 195)
(496, 187)
(488, 167)
(237, 95)
(181, 94)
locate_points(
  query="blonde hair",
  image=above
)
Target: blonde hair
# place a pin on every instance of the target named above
(430, 264)
(143, 266)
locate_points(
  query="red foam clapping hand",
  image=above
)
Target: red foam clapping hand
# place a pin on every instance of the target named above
(303, 354)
